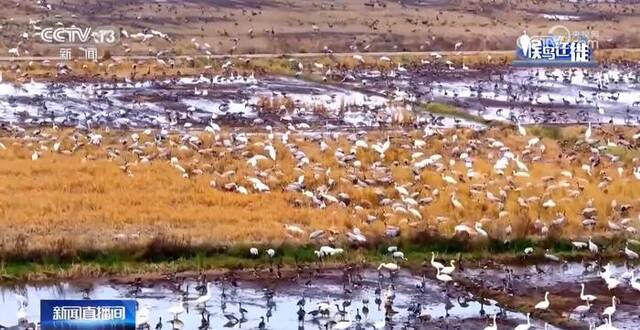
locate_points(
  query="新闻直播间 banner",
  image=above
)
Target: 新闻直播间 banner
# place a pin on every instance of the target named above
(88, 314)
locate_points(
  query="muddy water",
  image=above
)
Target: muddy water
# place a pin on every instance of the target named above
(280, 312)
(525, 95)
(183, 103)
(528, 96)
(563, 283)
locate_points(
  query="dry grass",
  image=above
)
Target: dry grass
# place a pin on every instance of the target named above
(108, 196)
(277, 103)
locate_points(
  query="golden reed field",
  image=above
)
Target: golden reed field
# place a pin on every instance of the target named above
(72, 190)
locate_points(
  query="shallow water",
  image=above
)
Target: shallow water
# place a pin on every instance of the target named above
(507, 94)
(525, 95)
(564, 280)
(282, 309)
(191, 102)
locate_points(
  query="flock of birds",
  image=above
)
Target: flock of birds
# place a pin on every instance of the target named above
(412, 183)
(403, 203)
(330, 313)
(333, 314)
(383, 99)
(227, 28)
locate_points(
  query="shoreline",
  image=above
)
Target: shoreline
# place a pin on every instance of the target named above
(118, 263)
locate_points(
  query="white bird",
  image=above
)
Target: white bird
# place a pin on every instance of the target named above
(607, 325)
(579, 245)
(550, 256)
(549, 204)
(253, 161)
(525, 326)
(630, 253)
(271, 253)
(271, 150)
(543, 305)
(481, 231)
(401, 190)
(254, 251)
(202, 300)
(533, 142)
(610, 309)
(258, 185)
(521, 130)
(634, 282)
(448, 179)
(22, 300)
(142, 317)
(293, 229)
(455, 202)
(462, 228)
(587, 133)
(21, 314)
(593, 247)
(449, 269)
(342, 325)
(582, 309)
(381, 148)
(437, 265)
(443, 277)
(612, 282)
(379, 325)
(390, 266)
(176, 310)
(586, 297)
